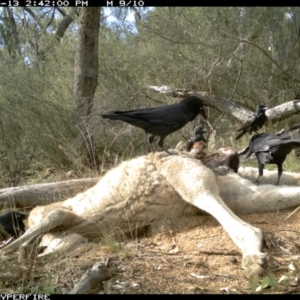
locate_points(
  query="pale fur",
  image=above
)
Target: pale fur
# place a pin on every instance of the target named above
(270, 177)
(152, 187)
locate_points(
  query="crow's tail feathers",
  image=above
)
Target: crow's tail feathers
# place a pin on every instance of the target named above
(110, 115)
(240, 134)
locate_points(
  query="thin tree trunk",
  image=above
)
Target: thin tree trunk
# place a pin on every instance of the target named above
(13, 32)
(86, 77)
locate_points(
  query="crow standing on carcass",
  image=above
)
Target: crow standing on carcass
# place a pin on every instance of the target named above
(272, 149)
(163, 120)
(198, 137)
(254, 122)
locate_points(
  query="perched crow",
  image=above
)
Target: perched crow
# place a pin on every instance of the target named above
(198, 137)
(254, 121)
(11, 224)
(163, 120)
(272, 149)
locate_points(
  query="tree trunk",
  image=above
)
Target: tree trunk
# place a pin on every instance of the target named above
(86, 77)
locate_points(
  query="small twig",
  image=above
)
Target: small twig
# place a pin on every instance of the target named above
(106, 261)
(293, 212)
(220, 252)
(210, 127)
(238, 77)
(286, 268)
(7, 242)
(224, 275)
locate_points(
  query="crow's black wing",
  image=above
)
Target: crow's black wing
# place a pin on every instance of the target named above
(173, 115)
(260, 142)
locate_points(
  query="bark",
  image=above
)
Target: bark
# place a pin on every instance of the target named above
(239, 112)
(86, 61)
(63, 26)
(86, 77)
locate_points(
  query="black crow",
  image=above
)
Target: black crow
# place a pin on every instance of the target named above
(198, 137)
(11, 224)
(254, 122)
(163, 120)
(272, 149)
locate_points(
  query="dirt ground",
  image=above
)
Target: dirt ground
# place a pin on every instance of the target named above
(192, 255)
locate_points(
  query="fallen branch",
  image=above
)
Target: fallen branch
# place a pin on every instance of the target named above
(229, 107)
(45, 193)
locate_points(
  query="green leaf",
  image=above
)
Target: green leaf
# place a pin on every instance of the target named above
(265, 282)
(253, 282)
(272, 281)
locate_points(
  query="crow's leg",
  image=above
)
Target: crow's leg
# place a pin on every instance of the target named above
(161, 144)
(260, 171)
(150, 141)
(279, 166)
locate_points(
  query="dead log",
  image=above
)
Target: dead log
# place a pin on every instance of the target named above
(234, 109)
(45, 193)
